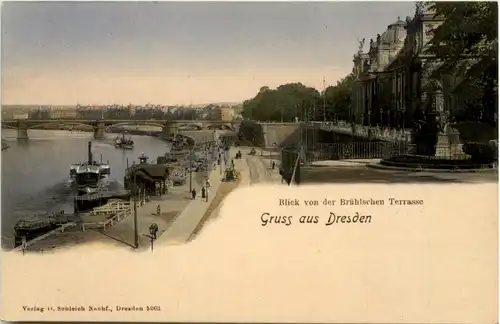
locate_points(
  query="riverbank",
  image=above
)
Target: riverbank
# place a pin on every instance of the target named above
(172, 205)
(122, 234)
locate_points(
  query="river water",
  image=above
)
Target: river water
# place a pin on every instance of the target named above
(35, 173)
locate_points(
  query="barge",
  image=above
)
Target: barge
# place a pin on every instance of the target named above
(85, 202)
(29, 228)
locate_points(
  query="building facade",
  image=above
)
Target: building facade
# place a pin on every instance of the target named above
(63, 113)
(392, 85)
(221, 113)
(226, 114)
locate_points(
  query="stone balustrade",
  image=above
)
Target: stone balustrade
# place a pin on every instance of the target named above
(386, 134)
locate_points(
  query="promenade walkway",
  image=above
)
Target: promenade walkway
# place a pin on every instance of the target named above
(188, 219)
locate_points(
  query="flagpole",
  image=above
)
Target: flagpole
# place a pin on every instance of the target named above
(324, 100)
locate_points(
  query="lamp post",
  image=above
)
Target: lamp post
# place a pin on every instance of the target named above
(136, 227)
(206, 172)
(153, 229)
(324, 100)
(403, 116)
(190, 164)
(220, 163)
(270, 155)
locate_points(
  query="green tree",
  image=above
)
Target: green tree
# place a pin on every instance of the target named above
(283, 103)
(466, 45)
(295, 100)
(338, 99)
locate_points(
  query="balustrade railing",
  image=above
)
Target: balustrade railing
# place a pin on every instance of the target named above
(384, 133)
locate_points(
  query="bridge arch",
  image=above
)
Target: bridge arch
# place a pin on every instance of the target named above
(59, 124)
(221, 126)
(136, 123)
(191, 125)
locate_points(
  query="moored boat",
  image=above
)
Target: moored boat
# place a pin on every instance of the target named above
(36, 225)
(124, 143)
(92, 185)
(103, 168)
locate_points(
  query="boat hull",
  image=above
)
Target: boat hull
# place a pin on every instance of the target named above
(85, 203)
(127, 147)
(28, 234)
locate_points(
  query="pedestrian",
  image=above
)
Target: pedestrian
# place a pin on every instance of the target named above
(232, 163)
(158, 209)
(273, 165)
(193, 193)
(203, 192)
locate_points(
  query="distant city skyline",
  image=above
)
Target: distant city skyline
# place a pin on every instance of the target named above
(179, 53)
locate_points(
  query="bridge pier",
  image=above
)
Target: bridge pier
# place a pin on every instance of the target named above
(100, 130)
(22, 130)
(170, 130)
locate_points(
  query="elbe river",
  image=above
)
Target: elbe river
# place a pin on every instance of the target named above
(35, 173)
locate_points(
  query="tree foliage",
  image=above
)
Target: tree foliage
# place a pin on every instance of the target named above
(338, 99)
(466, 45)
(295, 100)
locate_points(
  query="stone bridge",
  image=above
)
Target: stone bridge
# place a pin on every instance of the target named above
(100, 127)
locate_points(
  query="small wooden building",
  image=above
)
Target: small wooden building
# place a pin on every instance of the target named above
(149, 178)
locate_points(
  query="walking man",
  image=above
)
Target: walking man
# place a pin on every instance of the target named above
(158, 209)
(193, 193)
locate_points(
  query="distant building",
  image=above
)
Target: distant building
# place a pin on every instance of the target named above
(221, 113)
(226, 114)
(20, 116)
(89, 113)
(39, 113)
(63, 113)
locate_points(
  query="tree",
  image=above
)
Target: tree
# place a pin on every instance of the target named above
(283, 103)
(338, 99)
(466, 45)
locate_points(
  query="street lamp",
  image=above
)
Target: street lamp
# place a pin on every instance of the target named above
(403, 116)
(136, 226)
(190, 161)
(270, 155)
(153, 229)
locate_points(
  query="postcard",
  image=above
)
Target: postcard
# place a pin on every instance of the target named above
(250, 162)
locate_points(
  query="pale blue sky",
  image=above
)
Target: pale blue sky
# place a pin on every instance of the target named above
(179, 52)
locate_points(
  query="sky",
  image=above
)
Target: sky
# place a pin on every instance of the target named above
(64, 53)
